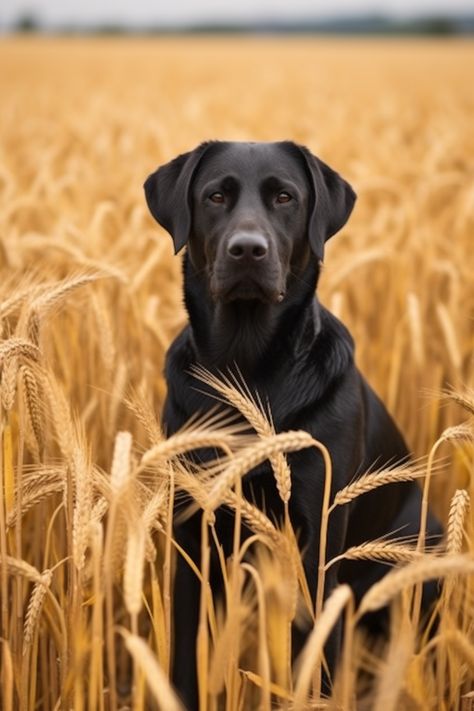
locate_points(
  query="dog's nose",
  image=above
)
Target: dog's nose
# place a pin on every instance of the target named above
(247, 245)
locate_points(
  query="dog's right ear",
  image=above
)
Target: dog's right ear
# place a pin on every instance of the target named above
(167, 193)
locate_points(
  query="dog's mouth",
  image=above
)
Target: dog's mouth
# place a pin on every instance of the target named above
(249, 290)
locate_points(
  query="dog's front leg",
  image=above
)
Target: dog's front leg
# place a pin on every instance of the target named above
(186, 597)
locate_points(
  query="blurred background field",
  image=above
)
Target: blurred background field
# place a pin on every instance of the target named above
(83, 121)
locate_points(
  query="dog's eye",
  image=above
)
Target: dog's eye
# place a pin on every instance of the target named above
(283, 197)
(217, 198)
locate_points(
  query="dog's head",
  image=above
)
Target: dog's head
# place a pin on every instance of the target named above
(251, 213)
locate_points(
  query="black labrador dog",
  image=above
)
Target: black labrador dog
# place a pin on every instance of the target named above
(255, 218)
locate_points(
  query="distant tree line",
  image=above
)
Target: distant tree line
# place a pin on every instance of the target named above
(435, 25)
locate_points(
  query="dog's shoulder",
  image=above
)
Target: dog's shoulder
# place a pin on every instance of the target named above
(333, 346)
(327, 356)
(320, 362)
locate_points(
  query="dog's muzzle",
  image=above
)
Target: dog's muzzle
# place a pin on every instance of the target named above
(247, 268)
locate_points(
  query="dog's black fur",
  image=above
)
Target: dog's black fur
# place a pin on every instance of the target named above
(255, 218)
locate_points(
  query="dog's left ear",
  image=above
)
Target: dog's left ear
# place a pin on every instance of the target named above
(167, 193)
(333, 201)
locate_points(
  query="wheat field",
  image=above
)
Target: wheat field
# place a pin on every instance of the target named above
(90, 299)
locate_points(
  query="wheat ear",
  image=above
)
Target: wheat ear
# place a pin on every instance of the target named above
(414, 573)
(134, 567)
(235, 392)
(459, 432)
(16, 566)
(18, 347)
(255, 518)
(185, 442)
(34, 608)
(372, 480)
(457, 512)
(464, 399)
(56, 292)
(82, 505)
(33, 403)
(8, 383)
(121, 461)
(378, 550)
(245, 460)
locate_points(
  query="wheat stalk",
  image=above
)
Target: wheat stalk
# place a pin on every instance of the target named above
(313, 649)
(449, 333)
(460, 432)
(415, 323)
(462, 645)
(263, 645)
(390, 682)
(154, 675)
(107, 347)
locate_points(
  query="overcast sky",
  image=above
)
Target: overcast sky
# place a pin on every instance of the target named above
(188, 11)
